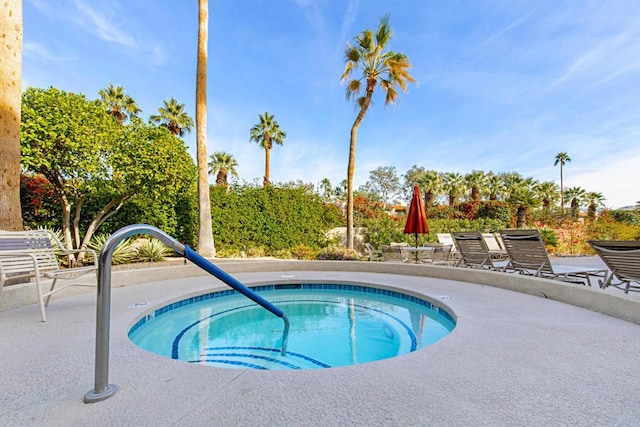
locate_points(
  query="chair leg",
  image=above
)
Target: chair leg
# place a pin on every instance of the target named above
(53, 285)
(41, 305)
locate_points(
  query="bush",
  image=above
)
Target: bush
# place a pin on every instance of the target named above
(337, 253)
(152, 250)
(625, 217)
(123, 254)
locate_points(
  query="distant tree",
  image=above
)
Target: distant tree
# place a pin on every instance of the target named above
(496, 186)
(560, 159)
(547, 192)
(575, 196)
(10, 91)
(594, 201)
(221, 165)
(326, 191)
(384, 182)
(266, 133)
(119, 104)
(391, 69)
(524, 199)
(477, 182)
(454, 186)
(173, 117)
(206, 245)
(83, 151)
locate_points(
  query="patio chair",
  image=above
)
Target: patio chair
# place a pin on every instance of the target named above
(447, 239)
(496, 251)
(528, 255)
(623, 259)
(374, 254)
(474, 252)
(442, 255)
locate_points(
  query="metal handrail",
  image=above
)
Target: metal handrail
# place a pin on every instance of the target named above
(102, 389)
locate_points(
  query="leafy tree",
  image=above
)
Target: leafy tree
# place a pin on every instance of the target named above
(560, 159)
(83, 151)
(384, 182)
(119, 104)
(173, 117)
(390, 69)
(206, 246)
(594, 201)
(10, 90)
(266, 133)
(221, 165)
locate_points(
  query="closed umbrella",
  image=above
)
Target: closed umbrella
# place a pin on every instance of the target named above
(416, 217)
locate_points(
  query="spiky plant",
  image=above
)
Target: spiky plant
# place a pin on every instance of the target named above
(152, 250)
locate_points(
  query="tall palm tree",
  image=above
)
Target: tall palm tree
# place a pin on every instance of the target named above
(266, 133)
(454, 185)
(561, 158)
(594, 201)
(575, 195)
(390, 69)
(206, 245)
(221, 165)
(173, 117)
(477, 182)
(10, 100)
(118, 104)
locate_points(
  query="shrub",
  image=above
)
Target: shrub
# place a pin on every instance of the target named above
(124, 252)
(337, 253)
(152, 250)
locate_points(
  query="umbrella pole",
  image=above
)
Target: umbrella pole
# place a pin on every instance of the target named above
(416, 235)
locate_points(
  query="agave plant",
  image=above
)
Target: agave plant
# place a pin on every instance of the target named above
(123, 254)
(152, 250)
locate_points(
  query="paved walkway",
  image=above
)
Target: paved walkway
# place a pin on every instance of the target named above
(514, 359)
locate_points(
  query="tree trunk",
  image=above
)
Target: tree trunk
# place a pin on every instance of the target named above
(10, 100)
(520, 215)
(206, 246)
(351, 166)
(265, 181)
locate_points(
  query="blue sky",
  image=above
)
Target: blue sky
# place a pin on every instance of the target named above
(502, 85)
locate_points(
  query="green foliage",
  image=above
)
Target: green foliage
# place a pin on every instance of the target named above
(383, 230)
(40, 207)
(123, 254)
(152, 250)
(549, 237)
(338, 253)
(271, 218)
(626, 217)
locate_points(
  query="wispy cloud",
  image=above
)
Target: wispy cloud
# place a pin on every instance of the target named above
(38, 51)
(102, 24)
(506, 29)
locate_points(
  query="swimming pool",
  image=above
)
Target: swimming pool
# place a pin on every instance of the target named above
(331, 325)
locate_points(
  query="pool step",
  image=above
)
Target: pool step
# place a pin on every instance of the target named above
(256, 358)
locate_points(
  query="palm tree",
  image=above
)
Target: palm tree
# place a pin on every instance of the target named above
(594, 201)
(266, 133)
(548, 193)
(117, 103)
(206, 246)
(221, 165)
(523, 198)
(173, 117)
(390, 69)
(432, 185)
(477, 182)
(576, 196)
(454, 185)
(495, 186)
(561, 158)
(10, 100)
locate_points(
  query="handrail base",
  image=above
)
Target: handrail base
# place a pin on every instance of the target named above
(92, 396)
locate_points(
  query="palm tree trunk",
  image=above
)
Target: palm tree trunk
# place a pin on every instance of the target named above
(10, 100)
(267, 152)
(206, 246)
(352, 164)
(561, 193)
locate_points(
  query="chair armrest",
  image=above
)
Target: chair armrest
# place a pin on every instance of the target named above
(77, 251)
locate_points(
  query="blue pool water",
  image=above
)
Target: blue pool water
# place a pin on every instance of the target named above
(331, 325)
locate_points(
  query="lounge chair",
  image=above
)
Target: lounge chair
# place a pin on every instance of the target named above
(623, 259)
(474, 253)
(496, 251)
(447, 239)
(528, 255)
(374, 254)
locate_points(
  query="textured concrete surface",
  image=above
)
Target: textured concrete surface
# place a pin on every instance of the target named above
(515, 358)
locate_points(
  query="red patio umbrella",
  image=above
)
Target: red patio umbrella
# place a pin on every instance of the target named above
(416, 217)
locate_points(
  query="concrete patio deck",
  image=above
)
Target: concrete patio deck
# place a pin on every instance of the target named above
(514, 358)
